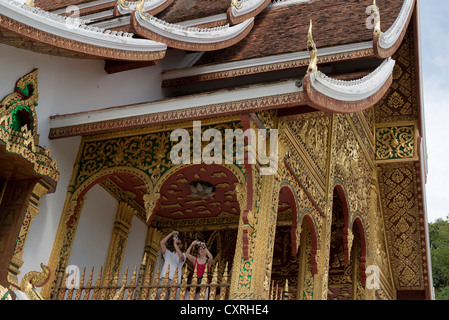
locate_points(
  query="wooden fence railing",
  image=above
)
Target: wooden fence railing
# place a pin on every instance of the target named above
(140, 287)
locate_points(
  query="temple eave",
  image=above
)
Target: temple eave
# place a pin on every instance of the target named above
(328, 104)
(54, 34)
(385, 47)
(188, 39)
(117, 118)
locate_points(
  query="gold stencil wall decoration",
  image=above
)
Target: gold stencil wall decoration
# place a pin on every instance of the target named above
(397, 142)
(352, 168)
(400, 203)
(399, 104)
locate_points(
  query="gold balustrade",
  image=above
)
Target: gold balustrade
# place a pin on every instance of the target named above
(141, 287)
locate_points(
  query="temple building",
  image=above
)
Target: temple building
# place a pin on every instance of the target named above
(287, 135)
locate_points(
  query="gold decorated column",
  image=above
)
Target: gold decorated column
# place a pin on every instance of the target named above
(152, 246)
(40, 189)
(119, 237)
(251, 277)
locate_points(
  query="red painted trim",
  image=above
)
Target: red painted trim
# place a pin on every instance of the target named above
(300, 184)
(314, 239)
(245, 119)
(293, 206)
(344, 204)
(363, 246)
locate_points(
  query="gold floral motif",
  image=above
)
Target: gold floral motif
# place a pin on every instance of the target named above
(396, 143)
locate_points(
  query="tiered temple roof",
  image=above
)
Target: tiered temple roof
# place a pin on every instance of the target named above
(342, 62)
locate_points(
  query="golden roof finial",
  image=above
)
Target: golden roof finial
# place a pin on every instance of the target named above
(123, 3)
(140, 6)
(313, 52)
(235, 3)
(30, 3)
(376, 14)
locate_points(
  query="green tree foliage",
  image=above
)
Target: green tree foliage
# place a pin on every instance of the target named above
(439, 250)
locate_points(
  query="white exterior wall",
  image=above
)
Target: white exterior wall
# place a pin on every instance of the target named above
(66, 86)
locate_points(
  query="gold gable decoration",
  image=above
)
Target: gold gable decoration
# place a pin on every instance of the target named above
(18, 127)
(27, 172)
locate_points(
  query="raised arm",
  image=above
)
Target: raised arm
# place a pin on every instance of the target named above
(210, 261)
(188, 255)
(164, 241)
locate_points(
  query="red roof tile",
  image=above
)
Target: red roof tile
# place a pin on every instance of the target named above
(182, 10)
(283, 29)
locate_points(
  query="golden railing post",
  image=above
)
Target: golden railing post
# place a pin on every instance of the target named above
(81, 286)
(56, 292)
(193, 283)
(59, 280)
(63, 287)
(70, 291)
(112, 285)
(89, 283)
(183, 290)
(204, 284)
(213, 288)
(132, 285)
(224, 283)
(146, 283)
(163, 295)
(121, 295)
(155, 288)
(104, 284)
(174, 286)
(140, 277)
(97, 285)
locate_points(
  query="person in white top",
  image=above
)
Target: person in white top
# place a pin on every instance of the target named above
(174, 259)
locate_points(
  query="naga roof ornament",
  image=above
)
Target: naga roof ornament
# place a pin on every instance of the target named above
(242, 10)
(340, 96)
(376, 13)
(237, 4)
(386, 43)
(313, 52)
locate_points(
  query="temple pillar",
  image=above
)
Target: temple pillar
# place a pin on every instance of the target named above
(32, 210)
(13, 210)
(119, 237)
(251, 277)
(62, 245)
(152, 244)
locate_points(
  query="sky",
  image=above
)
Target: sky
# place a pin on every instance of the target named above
(435, 70)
